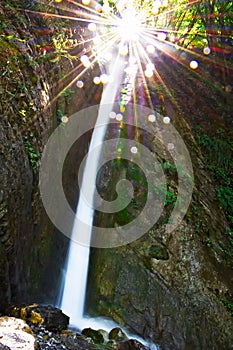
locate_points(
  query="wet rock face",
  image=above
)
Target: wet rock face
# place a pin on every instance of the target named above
(166, 300)
(27, 237)
(168, 287)
(24, 128)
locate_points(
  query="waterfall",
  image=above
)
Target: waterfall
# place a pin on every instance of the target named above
(74, 286)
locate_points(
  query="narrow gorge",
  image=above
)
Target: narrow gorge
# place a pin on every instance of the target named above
(172, 288)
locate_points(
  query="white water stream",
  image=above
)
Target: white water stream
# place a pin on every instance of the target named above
(74, 287)
(73, 298)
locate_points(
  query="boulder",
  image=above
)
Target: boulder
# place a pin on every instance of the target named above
(16, 334)
(96, 336)
(117, 334)
(51, 317)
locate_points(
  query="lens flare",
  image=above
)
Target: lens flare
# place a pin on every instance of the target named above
(149, 73)
(193, 64)
(161, 36)
(104, 78)
(96, 80)
(112, 115)
(86, 2)
(98, 8)
(123, 50)
(150, 49)
(207, 50)
(85, 61)
(80, 84)
(91, 27)
(166, 120)
(119, 117)
(64, 119)
(134, 150)
(151, 118)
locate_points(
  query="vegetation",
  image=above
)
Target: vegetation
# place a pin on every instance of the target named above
(228, 305)
(33, 156)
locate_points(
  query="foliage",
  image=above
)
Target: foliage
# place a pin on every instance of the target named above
(228, 305)
(62, 44)
(218, 151)
(32, 155)
(198, 24)
(225, 196)
(68, 95)
(218, 156)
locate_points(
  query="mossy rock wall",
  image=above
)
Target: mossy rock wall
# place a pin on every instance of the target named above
(31, 81)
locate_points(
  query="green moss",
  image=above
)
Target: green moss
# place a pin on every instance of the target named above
(228, 305)
(158, 252)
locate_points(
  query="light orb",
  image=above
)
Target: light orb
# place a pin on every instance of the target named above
(166, 120)
(119, 117)
(80, 84)
(151, 118)
(85, 61)
(64, 119)
(86, 2)
(91, 27)
(161, 36)
(149, 73)
(112, 115)
(98, 8)
(150, 49)
(206, 50)
(96, 80)
(104, 78)
(134, 150)
(193, 65)
(123, 50)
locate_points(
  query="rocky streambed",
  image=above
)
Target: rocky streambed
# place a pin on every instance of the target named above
(31, 327)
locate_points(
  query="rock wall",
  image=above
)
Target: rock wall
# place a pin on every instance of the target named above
(24, 128)
(173, 288)
(31, 106)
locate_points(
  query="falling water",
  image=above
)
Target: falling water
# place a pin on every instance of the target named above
(74, 288)
(73, 297)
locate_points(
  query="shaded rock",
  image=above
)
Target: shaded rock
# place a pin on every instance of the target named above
(131, 344)
(16, 334)
(117, 334)
(54, 318)
(96, 336)
(51, 317)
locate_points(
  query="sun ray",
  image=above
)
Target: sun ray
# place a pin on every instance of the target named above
(127, 30)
